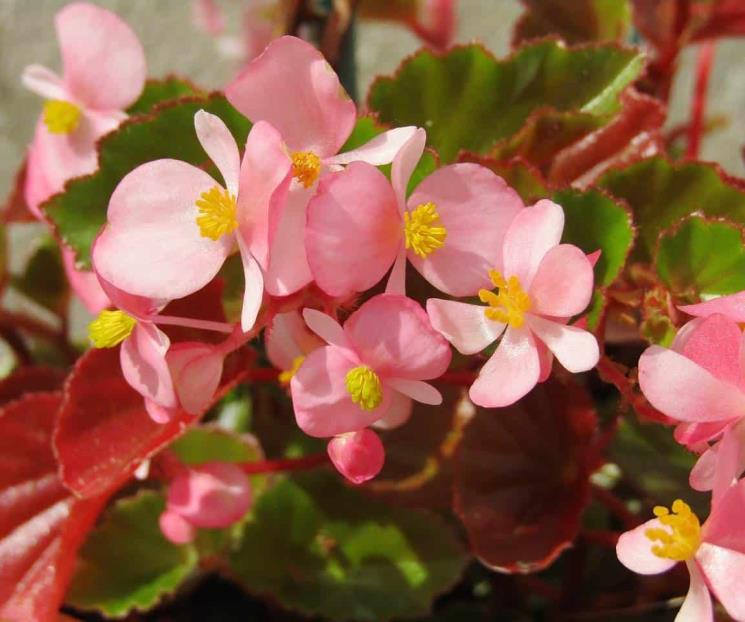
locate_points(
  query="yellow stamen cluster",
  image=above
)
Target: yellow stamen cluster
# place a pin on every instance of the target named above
(423, 229)
(61, 117)
(110, 328)
(287, 375)
(306, 167)
(216, 213)
(509, 304)
(682, 540)
(365, 387)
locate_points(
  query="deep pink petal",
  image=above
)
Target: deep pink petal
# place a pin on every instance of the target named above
(476, 207)
(725, 527)
(463, 324)
(724, 570)
(323, 406)
(44, 82)
(397, 278)
(327, 328)
(681, 389)
(293, 87)
(692, 435)
(196, 369)
(634, 550)
(511, 372)
(358, 456)
(287, 338)
(380, 150)
(533, 232)
(176, 528)
(218, 142)
(697, 604)
(354, 230)
(143, 359)
(562, 286)
(393, 335)
(399, 412)
(160, 414)
(84, 283)
(404, 164)
(152, 245)
(732, 306)
(576, 349)
(417, 390)
(104, 63)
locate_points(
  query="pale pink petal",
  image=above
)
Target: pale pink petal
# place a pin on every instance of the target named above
(546, 358)
(684, 333)
(327, 328)
(265, 176)
(380, 150)
(730, 458)
(143, 359)
(196, 369)
(220, 146)
(562, 286)
(44, 82)
(293, 87)
(732, 306)
(358, 456)
(36, 186)
(724, 570)
(404, 164)
(104, 63)
(175, 528)
(417, 390)
(397, 278)
(576, 349)
(393, 335)
(697, 604)
(254, 289)
(511, 372)
(138, 306)
(715, 344)
(476, 207)
(84, 283)
(692, 435)
(158, 413)
(725, 527)
(681, 389)
(287, 338)
(533, 232)
(634, 550)
(354, 230)
(702, 474)
(152, 245)
(399, 412)
(464, 325)
(323, 406)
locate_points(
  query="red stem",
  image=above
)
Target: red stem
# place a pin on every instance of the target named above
(283, 465)
(704, 64)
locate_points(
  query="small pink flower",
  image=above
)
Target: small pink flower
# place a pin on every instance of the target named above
(210, 496)
(288, 341)
(291, 86)
(541, 285)
(171, 225)
(358, 456)
(713, 552)
(450, 229)
(371, 370)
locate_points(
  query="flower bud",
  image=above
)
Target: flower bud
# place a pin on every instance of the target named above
(358, 456)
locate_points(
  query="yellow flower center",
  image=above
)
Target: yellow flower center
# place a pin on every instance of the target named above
(110, 328)
(61, 117)
(306, 167)
(682, 540)
(365, 387)
(423, 229)
(287, 375)
(509, 304)
(216, 213)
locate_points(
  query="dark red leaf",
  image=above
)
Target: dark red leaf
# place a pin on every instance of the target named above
(41, 524)
(30, 380)
(522, 477)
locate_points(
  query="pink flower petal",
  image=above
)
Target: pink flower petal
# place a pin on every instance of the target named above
(397, 278)
(681, 389)
(221, 148)
(152, 245)
(158, 413)
(327, 328)
(293, 87)
(533, 232)
(404, 164)
(392, 334)
(358, 456)
(697, 604)
(380, 150)
(464, 325)
(546, 358)
(175, 528)
(84, 283)
(516, 358)
(476, 207)
(417, 390)
(287, 338)
(634, 550)
(196, 369)
(399, 412)
(725, 527)
(323, 406)
(692, 435)
(354, 230)
(702, 474)
(104, 63)
(562, 286)
(143, 359)
(254, 289)
(208, 16)
(730, 459)
(576, 349)
(724, 570)
(44, 82)
(138, 306)
(732, 306)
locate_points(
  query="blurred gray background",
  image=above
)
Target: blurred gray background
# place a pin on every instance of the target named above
(173, 45)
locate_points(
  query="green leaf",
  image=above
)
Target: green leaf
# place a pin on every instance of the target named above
(467, 100)
(701, 257)
(159, 91)
(126, 564)
(80, 210)
(661, 193)
(43, 279)
(324, 549)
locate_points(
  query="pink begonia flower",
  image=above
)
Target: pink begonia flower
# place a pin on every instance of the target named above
(103, 74)
(371, 370)
(292, 87)
(713, 552)
(700, 381)
(210, 496)
(541, 284)
(451, 228)
(171, 225)
(288, 341)
(436, 22)
(358, 456)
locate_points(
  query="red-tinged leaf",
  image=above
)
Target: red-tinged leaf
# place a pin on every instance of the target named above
(30, 380)
(15, 208)
(521, 477)
(718, 18)
(658, 20)
(41, 524)
(104, 433)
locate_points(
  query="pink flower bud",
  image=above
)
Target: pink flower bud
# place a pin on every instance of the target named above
(358, 456)
(175, 528)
